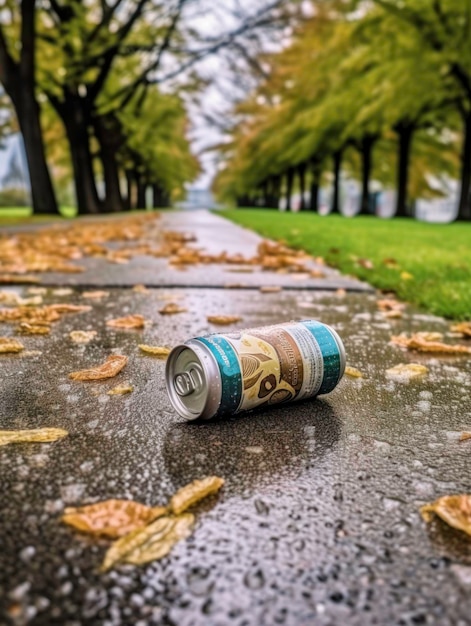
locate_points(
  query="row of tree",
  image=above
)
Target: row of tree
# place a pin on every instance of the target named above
(380, 89)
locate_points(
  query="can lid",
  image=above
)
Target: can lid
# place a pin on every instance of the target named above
(188, 384)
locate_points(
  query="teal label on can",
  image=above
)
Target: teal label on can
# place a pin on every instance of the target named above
(330, 353)
(231, 377)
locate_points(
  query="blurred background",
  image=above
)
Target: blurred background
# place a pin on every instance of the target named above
(316, 105)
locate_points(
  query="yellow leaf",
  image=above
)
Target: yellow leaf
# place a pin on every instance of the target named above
(171, 308)
(454, 510)
(33, 435)
(150, 543)
(112, 366)
(194, 492)
(155, 350)
(8, 344)
(464, 328)
(420, 344)
(406, 276)
(404, 372)
(223, 320)
(353, 372)
(40, 328)
(131, 321)
(140, 289)
(120, 390)
(82, 336)
(111, 518)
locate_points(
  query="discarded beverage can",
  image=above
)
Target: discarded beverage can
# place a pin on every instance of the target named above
(225, 374)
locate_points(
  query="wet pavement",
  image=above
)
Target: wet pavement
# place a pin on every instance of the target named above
(318, 521)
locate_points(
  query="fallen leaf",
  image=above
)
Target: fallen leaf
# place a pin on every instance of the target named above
(40, 328)
(95, 295)
(120, 390)
(406, 276)
(418, 343)
(130, 321)
(223, 320)
(340, 292)
(33, 435)
(155, 350)
(240, 270)
(389, 304)
(391, 263)
(317, 274)
(31, 353)
(12, 279)
(171, 308)
(140, 289)
(393, 315)
(366, 263)
(69, 308)
(82, 336)
(8, 344)
(404, 372)
(464, 328)
(111, 518)
(270, 289)
(150, 543)
(353, 372)
(465, 436)
(454, 510)
(112, 366)
(194, 492)
(429, 336)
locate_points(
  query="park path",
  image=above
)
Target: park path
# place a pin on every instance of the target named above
(318, 520)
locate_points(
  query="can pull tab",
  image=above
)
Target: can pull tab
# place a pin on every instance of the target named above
(187, 383)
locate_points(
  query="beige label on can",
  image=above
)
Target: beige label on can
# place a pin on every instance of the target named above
(278, 364)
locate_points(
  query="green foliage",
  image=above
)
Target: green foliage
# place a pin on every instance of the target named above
(437, 256)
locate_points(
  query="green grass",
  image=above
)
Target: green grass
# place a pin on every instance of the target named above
(24, 214)
(438, 256)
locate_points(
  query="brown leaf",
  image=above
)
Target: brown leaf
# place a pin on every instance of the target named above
(121, 390)
(353, 372)
(393, 315)
(112, 366)
(130, 321)
(69, 308)
(40, 328)
(465, 436)
(95, 295)
(111, 518)
(223, 320)
(454, 510)
(404, 372)
(140, 289)
(171, 308)
(33, 435)
(464, 328)
(82, 336)
(418, 343)
(8, 344)
(270, 289)
(149, 543)
(365, 263)
(316, 274)
(155, 350)
(391, 263)
(194, 492)
(389, 304)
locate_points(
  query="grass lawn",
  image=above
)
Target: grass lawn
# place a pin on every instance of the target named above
(24, 215)
(426, 264)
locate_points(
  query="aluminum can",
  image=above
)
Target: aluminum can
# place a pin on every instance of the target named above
(225, 374)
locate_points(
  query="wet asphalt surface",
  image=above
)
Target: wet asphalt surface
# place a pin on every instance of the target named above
(318, 521)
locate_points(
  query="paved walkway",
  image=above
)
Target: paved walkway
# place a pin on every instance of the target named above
(318, 522)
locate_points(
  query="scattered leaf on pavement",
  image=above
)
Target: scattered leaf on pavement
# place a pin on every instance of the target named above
(270, 289)
(316, 274)
(152, 542)
(112, 366)
(121, 390)
(17, 279)
(154, 350)
(111, 518)
(130, 321)
(40, 328)
(194, 492)
(33, 435)
(223, 320)
(8, 344)
(464, 328)
(340, 292)
(404, 372)
(82, 336)
(454, 510)
(464, 436)
(418, 343)
(140, 289)
(95, 294)
(171, 308)
(353, 372)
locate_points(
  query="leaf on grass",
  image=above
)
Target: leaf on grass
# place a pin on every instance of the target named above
(112, 366)
(418, 343)
(95, 295)
(171, 308)
(406, 276)
(155, 350)
(121, 390)
(270, 289)
(223, 320)
(353, 372)
(33, 435)
(464, 328)
(465, 436)
(8, 344)
(82, 336)
(365, 263)
(111, 518)
(40, 328)
(454, 510)
(404, 372)
(391, 263)
(150, 543)
(130, 321)
(194, 492)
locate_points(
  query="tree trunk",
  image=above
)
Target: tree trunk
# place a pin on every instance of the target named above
(109, 144)
(302, 185)
(464, 207)
(336, 195)
(405, 133)
(366, 156)
(289, 187)
(276, 191)
(314, 190)
(130, 204)
(141, 192)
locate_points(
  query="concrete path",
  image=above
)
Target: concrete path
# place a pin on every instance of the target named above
(318, 522)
